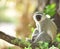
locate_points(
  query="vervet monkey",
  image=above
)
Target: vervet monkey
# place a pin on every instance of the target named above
(45, 28)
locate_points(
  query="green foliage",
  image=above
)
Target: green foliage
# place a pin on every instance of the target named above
(32, 29)
(10, 48)
(58, 38)
(59, 45)
(53, 47)
(50, 9)
(22, 41)
(37, 48)
(43, 45)
(28, 47)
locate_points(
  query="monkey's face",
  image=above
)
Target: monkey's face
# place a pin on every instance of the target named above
(39, 17)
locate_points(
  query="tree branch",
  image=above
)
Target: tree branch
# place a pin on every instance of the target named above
(10, 39)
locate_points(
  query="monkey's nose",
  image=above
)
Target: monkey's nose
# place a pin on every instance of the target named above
(38, 17)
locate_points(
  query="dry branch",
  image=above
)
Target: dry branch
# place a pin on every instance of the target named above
(10, 38)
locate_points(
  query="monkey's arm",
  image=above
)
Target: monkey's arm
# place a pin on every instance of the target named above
(42, 36)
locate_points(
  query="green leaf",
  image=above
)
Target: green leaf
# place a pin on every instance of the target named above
(10, 48)
(59, 45)
(32, 29)
(50, 9)
(28, 47)
(43, 45)
(58, 38)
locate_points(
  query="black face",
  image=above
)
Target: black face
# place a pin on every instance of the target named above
(38, 17)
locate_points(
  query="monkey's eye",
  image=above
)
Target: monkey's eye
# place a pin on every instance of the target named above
(38, 17)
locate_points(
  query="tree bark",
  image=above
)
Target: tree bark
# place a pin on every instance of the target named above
(57, 16)
(10, 39)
